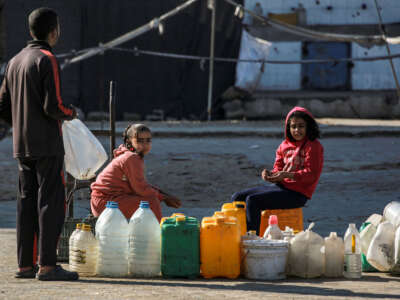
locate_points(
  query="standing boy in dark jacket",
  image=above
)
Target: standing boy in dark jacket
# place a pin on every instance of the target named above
(30, 100)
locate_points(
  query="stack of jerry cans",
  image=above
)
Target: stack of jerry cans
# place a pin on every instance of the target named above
(236, 209)
(180, 238)
(220, 247)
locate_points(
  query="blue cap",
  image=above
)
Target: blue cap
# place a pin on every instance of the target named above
(144, 204)
(112, 204)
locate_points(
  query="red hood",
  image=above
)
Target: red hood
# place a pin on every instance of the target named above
(296, 108)
(120, 150)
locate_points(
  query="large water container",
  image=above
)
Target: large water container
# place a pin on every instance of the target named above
(380, 252)
(306, 256)
(396, 264)
(72, 237)
(220, 247)
(180, 247)
(391, 213)
(367, 232)
(236, 209)
(265, 259)
(83, 253)
(112, 233)
(144, 243)
(352, 252)
(334, 255)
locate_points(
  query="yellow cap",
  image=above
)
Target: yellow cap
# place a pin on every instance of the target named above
(180, 218)
(177, 215)
(220, 219)
(219, 214)
(86, 227)
(78, 225)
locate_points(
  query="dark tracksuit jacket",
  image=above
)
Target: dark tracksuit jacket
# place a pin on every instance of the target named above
(30, 100)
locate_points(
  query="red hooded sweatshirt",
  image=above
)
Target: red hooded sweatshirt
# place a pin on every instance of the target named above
(124, 175)
(305, 158)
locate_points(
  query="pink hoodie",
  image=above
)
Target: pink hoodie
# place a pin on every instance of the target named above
(305, 158)
(123, 175)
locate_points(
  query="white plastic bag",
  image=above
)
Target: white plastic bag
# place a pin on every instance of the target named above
(84, 154)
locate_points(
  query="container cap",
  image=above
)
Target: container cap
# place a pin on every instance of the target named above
(112, 204)
(86, 227)
(144, 204)
(78, 225)
(273, 220)
(180, 218)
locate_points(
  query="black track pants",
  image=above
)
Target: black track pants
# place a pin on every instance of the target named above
(40, 208)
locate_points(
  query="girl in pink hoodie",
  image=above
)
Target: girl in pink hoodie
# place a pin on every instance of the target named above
(295, 175)
(123, 180)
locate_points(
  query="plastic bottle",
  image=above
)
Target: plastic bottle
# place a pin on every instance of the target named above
(288, 234)
(144, 243)
(112, 233)
(367, 232)
(334, 256)
(306, 258)
(273, 232)
(83, 258)
(396, 265)
(380, 252)
(352, 253)
(72, 237)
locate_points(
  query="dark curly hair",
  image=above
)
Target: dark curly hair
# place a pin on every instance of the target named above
(312, 131)
(132, 131)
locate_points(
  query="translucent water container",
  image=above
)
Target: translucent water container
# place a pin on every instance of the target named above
(180, 247)
(112, 233)
(367, 232)
(334, 255)
(144, 243)
(273, 232)
(396, 264)
(306, 256)
(352, 253)
(391, 213)
(83, 253)
(236, 209)
(220, 247)
(72, 237)
(381, 250)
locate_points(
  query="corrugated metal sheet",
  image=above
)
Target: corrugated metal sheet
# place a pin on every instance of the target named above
(374, 75)
(282, 77)
(326, 76)
(329, 12)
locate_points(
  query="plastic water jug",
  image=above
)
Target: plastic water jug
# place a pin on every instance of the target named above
(396, 265)
(306, 257)
(367, 232)
(288, 234)
(391, 213)
(374, 219)
(381, 251)
(180, 247)
(112, 233)
(144, 243)
(83, 258)
(72, 237)
(334, 256)
(237, 209)
(273, 232)
(352, 252)
(220, 247)
(265, 259)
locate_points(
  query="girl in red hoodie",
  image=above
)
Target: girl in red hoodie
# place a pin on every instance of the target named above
(123, 180)
(295, 175)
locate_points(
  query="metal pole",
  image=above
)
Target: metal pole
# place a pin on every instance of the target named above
(211, 5)
(387, 49)
(113, 85)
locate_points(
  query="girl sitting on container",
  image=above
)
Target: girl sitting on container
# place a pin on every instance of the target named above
(295, 175)
(123, 180)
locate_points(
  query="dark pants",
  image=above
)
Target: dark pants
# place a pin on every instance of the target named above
(267, 197)
(40, 208)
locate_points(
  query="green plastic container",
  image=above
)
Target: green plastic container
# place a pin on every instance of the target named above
(180, 247)
(366, 267)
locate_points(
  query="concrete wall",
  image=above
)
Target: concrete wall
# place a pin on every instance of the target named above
(333, 12)
(375, 75)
